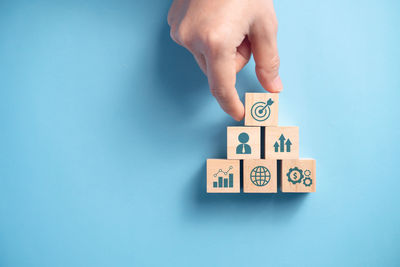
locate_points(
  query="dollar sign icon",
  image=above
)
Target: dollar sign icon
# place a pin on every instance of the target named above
(295, 175)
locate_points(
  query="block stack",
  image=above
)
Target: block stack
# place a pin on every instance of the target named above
(259, 164)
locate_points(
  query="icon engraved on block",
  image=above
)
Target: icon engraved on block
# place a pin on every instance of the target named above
(243, 148)
(243, 142)
(223, 176)
(223, 181)
(298, 175)
(260, 176)
(280, 147)
(261, 111)
(282, 142)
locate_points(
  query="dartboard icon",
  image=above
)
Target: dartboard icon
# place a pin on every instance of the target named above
(260, 111)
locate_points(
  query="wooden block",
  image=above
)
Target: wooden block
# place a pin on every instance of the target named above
(298, 175)
(223, 176)
(282, 142)
(260, 176)
(261, 109)
(243, 142)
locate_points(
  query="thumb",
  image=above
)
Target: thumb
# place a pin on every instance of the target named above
(265, 51)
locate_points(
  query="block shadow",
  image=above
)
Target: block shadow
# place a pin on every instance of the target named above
(270, 207)
(200, 206)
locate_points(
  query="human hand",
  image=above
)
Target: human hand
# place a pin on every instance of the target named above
(222, 35)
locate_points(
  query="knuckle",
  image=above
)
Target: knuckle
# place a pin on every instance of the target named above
(214, 40)
(180, 35)
(174, 33)
(184, 36)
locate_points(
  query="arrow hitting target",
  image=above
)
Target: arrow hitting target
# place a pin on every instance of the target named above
(261, 111)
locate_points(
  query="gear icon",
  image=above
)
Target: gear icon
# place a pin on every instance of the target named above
(295, 175)
(307, 181)
(307, 172)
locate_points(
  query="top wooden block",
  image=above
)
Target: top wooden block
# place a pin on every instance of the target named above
(261, 109)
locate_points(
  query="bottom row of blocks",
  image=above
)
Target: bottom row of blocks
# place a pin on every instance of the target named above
(261, 176)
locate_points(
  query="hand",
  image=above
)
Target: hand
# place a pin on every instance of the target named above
(221, 35)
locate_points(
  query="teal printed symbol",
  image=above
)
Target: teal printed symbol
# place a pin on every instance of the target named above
(297, 175)
(222, 181)
(307, 180)
(243, 148)
(260, 176)
(280, 147)
(260, 111)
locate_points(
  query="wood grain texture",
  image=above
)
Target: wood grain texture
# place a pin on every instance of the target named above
(223, 176)
(276, 136)
(253, 181)
(256, 117)
(298, 175)
(238, 149)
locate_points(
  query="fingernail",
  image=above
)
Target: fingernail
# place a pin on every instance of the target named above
(276, 84)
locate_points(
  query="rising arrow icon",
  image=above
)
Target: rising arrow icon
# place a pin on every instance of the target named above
(276, 145)
(282, 145)
(288, 144)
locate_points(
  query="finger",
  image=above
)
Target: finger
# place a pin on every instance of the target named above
(221, 73)
(175, 12)
(243, 54)
(265, 51)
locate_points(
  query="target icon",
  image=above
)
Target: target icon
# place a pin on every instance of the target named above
(261, 111)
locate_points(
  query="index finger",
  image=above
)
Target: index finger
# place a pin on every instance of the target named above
(221, 73)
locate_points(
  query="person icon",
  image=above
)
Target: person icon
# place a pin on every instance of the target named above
(243, 148)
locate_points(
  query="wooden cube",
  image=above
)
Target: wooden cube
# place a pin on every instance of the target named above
(260, 176)
(261, 109)
(223, 176)
(282, 142)
(243, 142)
(298, 175)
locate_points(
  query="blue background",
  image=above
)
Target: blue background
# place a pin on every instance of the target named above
(106, 125)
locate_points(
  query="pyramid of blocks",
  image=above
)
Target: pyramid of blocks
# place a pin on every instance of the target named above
(261, 155)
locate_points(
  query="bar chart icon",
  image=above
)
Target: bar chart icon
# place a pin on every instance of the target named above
(223, 181)
(223, 176)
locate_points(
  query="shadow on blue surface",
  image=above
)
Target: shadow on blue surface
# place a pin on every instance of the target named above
(203, 206)
(181, 80)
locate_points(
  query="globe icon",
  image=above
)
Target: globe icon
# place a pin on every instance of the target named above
(260, 176)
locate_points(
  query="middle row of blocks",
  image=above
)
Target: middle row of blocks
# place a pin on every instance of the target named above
(280, 142)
